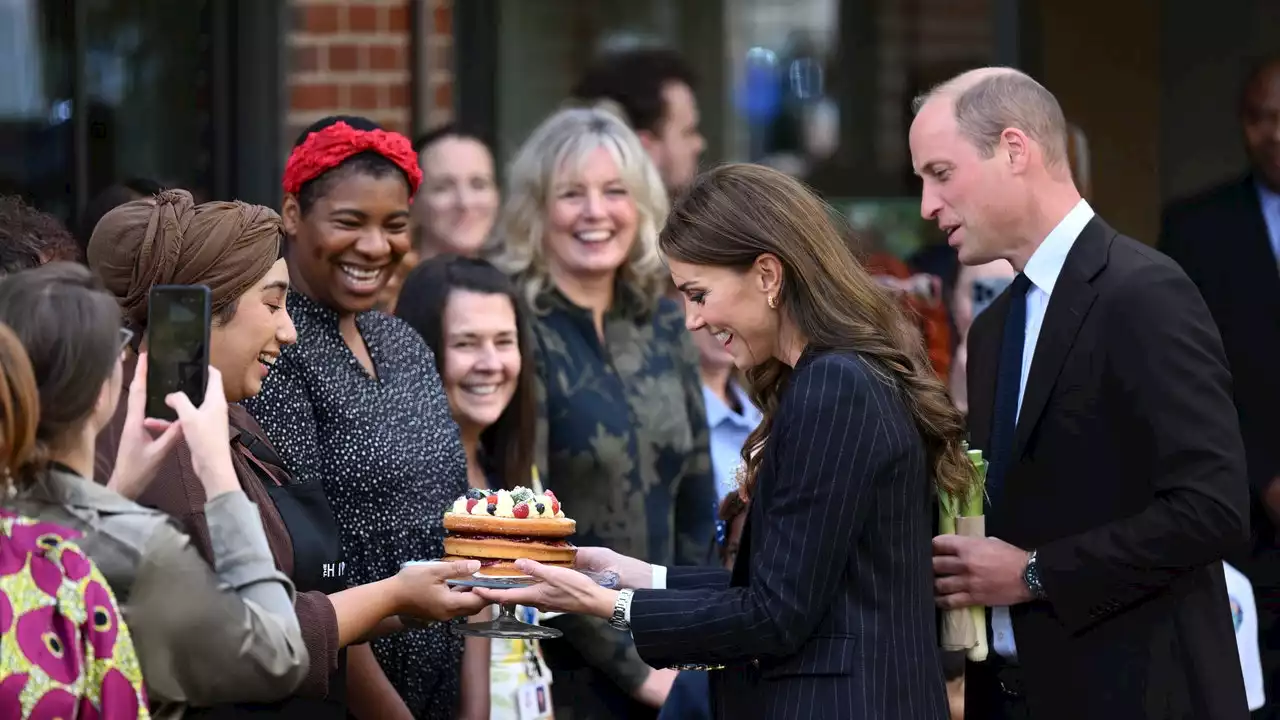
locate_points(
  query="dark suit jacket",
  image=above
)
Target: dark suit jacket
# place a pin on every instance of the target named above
(1128, 477)
(828, 612)
(1220, 239)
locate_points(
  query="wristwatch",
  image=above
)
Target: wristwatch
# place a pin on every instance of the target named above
(1031, 576)
(621, 610)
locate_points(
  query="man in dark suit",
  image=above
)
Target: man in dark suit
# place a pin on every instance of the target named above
(1099, 392)
(1228, 241)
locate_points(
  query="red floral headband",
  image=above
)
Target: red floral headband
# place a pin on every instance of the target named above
(325, 149)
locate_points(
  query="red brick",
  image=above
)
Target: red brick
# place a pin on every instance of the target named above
(442, 96)
(364, 96)
(399, 95)
(344, 58)
(306, 59)
(363, 18)
(320, 19)
(398, 19)
(318, 96)
(386, 57)
(443, 17)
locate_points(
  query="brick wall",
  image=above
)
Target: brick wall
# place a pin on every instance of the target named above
(436, 79)
(356, 57)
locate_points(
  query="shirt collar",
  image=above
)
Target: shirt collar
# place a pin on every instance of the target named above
(718, 411)
(1046, 262)
(627, 303)
(1269, 199)
(60, 487)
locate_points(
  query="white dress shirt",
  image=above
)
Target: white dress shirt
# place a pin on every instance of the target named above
(1042, 270)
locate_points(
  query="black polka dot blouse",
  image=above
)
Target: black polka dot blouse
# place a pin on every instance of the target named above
(388, 453)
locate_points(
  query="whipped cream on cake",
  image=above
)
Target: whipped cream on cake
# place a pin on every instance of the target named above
(518, 503)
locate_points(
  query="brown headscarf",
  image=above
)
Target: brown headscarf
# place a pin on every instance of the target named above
(169, 240)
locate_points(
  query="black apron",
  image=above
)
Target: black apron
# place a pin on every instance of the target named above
(317, 566)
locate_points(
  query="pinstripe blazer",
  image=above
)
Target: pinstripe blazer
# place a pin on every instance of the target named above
(828, 612)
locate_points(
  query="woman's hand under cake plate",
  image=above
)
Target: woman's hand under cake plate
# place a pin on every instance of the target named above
(589, 589)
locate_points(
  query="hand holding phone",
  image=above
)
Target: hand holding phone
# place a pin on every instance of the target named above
(208, 436)
(144, 442)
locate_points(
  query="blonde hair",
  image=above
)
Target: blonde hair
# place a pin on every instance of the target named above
(563, 142)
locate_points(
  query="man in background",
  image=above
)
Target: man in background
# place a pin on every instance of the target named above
(655, 88)
(1228, 241)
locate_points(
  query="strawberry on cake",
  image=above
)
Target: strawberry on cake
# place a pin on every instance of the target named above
(498, 527)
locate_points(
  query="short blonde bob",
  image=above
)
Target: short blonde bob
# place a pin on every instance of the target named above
(564, 142)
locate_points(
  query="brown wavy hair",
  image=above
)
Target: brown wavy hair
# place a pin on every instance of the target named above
(732, 215)
(19, 408)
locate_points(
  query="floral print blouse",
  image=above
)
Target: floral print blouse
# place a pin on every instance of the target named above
(65, 651)
(622, 431)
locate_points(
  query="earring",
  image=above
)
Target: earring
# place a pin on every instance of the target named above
(773, 302)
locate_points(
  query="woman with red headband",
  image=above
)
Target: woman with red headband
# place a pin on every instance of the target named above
(357, 404)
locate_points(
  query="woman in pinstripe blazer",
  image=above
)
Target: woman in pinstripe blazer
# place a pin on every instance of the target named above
(828, 611)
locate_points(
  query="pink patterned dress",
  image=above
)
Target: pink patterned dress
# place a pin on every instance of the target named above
(65, 652)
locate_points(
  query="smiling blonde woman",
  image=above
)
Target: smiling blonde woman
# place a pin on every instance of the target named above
(621, 423)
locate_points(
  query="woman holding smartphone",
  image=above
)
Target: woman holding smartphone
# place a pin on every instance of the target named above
(203, 635)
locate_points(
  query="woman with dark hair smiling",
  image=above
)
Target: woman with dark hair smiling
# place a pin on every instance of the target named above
(477, 325)
(357, 403)
(478, 328)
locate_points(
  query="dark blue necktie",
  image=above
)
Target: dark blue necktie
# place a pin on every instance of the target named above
(1004, 417)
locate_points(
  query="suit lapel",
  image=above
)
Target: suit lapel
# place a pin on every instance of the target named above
(1070, 303)
(1255, 243)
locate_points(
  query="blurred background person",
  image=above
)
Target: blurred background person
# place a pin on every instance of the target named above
(622, 428)
(30, 238)
(204, 635)
(52, 591)
(456, 205)
(1227, 239)
(356, 404)
(988, 281)
(654, 87)
(731, 416)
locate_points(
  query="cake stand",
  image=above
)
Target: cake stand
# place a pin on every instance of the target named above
(507, 626)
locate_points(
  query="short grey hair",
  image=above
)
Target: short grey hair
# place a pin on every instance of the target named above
(563, 143)
(987, 102)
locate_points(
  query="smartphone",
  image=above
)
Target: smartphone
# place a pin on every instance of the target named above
(179, 320)
(985, 290)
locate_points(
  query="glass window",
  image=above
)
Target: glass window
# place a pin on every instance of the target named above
(819, 88)
(141, 69)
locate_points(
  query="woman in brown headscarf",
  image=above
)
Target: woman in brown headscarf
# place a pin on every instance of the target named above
(235, 249)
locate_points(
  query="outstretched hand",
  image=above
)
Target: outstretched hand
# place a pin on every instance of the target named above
(144, 442)
(632, 573)
(560, 590)
(423, 593)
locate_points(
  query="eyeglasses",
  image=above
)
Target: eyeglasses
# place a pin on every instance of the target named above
(126, 337)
